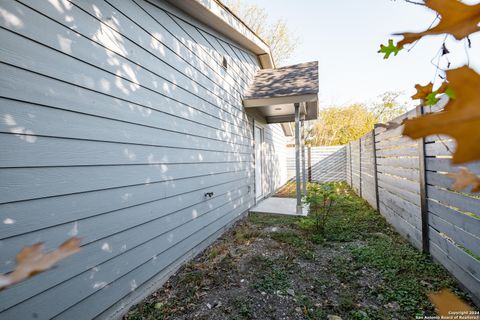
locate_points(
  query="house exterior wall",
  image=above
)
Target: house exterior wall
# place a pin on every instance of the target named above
(116, 118)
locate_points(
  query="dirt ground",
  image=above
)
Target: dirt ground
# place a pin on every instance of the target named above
(269, 267)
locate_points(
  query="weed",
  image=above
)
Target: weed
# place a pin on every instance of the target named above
(244, 233)
(405, 271)
(343, 269)
(345, 303)
(243, 307)
(302, 247)
(266, 220)
(397, 275)
(289, 237)
(310, 311)
(273, 277)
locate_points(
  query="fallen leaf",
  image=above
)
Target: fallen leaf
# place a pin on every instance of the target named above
(446, 302)
(460, 119)
(388, 50)
(423, 91)
(32, 260)
(457, 19)
(465, 178)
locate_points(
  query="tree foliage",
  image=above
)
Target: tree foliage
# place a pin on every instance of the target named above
(340, 125)
(389, 106)
(281, 40)
(461, 116)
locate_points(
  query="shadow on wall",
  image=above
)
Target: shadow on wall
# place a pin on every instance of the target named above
(149, 113)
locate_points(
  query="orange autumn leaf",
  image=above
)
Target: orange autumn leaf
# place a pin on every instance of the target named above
(457, 19)
(422, 91)
(443, 87)
(460, 119)
(463, 179)
(446, 302)
(32, 260)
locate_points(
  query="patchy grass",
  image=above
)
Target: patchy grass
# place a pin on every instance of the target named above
(288, 190)
(273, 277)
(280, 267)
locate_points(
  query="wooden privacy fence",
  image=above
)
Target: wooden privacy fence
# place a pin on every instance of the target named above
(405, 180)
(324, 164)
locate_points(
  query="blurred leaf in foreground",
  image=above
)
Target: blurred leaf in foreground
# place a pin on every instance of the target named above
(32, 260)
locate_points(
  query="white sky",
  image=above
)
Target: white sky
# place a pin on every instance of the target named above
(345, 35)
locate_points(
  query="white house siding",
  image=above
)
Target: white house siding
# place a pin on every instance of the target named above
(116, 118)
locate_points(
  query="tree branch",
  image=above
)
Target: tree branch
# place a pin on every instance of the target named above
(414, 2)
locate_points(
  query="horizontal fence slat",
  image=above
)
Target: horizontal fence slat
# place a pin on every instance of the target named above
(404, 150)
(399, 141)
(440, 148)
(407, 210)
(467, 222)
(411, 174)
(467, 262)
(461, 237)
(465, 278)
(409, 163)
(445, 165)
(402, 226)
(402, 183)
(454, 199)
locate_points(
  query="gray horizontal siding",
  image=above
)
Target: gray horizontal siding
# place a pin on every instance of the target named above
(116, 118)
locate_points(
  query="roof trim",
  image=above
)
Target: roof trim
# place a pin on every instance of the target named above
(279, 100)
(218, 17)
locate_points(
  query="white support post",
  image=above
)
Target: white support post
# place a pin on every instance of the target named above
(304, 171)
(297, 158)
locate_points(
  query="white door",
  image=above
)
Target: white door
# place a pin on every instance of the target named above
(258, 162)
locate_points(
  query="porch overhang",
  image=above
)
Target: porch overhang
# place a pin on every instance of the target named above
(274, 92)
(285, 95)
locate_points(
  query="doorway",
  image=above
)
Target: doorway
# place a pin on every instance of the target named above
(258, 136)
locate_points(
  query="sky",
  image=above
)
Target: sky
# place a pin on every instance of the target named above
(345, 35)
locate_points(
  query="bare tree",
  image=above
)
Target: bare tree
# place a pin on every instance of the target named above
(276, 34)
(389, 107)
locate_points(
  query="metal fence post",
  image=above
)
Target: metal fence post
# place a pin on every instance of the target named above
(360, 167)
(351, 169)
(309, 152)
(423, 190)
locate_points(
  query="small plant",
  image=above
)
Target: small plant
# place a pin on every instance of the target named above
(322, 199)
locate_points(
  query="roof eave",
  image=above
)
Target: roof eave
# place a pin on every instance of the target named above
(217, 17)
(266, 101)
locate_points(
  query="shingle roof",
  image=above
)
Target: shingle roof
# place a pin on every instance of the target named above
(296, 80)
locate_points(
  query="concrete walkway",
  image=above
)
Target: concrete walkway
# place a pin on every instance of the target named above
(278, 206)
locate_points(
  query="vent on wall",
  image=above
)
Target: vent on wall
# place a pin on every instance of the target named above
(224, 63)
